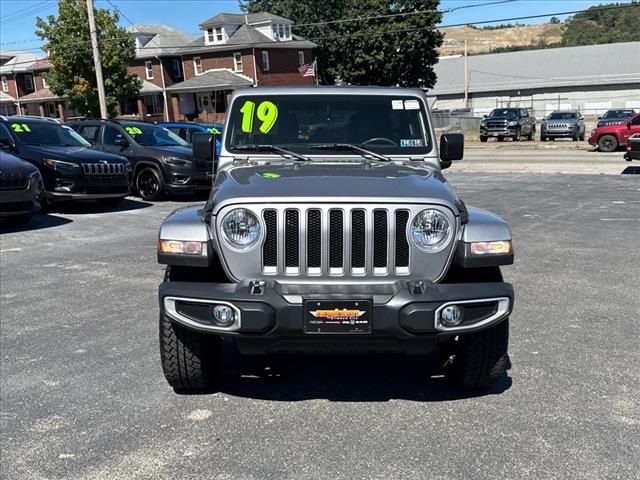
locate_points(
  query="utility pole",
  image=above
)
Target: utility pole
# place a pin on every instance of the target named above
(466, 77)
(96, 60)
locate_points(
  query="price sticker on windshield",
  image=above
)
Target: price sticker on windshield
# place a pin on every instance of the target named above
(213, 130)
(133, 130)
(265, 112)
(20, 127)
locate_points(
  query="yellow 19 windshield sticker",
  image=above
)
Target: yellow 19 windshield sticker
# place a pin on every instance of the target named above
(133, 131)
(20, 127)
(266, 112)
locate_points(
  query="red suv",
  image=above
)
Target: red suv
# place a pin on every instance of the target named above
(609, 137)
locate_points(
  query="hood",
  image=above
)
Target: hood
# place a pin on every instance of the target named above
(10, 164)
(73, 154)
(173, 150)
(340, 182)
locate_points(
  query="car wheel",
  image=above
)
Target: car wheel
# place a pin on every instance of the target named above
(190, 360)
(576, 137)
(543, 138)
(581, 137)
(517, 136)
(532, 135)
(479, 359)
(607, 143)
(483, 139)
(149, 184)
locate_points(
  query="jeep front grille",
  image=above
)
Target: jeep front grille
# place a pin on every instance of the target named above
(335, 240)
(103, 168)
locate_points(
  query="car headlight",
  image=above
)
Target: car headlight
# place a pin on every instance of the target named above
(431, 230)
(175, 161)
(63, 167)
(512, 124)
(483, 123)
(241, 228)
(34, 179)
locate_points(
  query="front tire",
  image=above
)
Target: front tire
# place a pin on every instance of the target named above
(607, 143)
(190, 360)
(479, 359)
(149, 184)
(483, 139)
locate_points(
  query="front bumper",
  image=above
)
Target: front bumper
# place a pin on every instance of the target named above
(20, 202)
(85, 187)
(403, 315)
(498, 132)
(181, 180)
(559, 133)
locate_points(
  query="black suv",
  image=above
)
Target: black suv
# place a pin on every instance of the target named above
(70, 168)
(162, 162)
(21, 189)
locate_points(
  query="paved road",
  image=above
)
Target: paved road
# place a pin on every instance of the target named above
(83, 397)
(556, 158)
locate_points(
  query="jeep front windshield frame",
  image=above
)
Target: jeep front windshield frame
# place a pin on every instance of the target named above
(385, 124)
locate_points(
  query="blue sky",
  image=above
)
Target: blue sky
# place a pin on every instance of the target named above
(17, 17)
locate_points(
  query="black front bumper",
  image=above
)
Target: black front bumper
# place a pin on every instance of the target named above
(272, 316)
(20, 202)
(86, 187)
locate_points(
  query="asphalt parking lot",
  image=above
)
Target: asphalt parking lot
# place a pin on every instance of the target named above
(83, 396)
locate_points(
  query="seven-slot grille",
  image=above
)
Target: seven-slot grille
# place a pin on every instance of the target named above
(558, 125)
(338, 241)
(104, 168)
(13, 181)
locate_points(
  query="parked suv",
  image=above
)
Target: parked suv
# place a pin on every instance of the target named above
(21, 189)
(70, 168)
(514, 123)
(563, 124)
(615, 116)
(633, 148)
(609, 137)
(353, 243)
(162, 162)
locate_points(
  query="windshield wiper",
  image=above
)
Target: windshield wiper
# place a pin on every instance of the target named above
(272, 149)
(349, 146)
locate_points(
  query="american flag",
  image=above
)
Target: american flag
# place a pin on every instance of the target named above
(308, 69)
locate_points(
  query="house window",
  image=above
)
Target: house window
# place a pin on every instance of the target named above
(5, 84)
(28, 82)
(300, 57)
(219, 34)
(281, 31)
(287, 31)
(148, 67)
(197, 66)
(215, 35)
(237, 62)
(153, 104)
(210, 37)
(274, 31)
(44, 81)
(265, 61)
(176, 68)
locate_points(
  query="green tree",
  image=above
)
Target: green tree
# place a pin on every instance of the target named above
(69, 47)
(397, 49)
(603, 26)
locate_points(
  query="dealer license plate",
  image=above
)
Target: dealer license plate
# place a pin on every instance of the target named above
(349, 317)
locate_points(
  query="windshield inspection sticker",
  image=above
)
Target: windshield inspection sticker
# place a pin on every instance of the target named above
(411, 105)
(410, 142)
(270, 175)
(397, 105)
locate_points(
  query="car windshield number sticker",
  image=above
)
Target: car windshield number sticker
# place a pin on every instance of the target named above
(266, 112)
(20, 127)
(213, 130)
(133, 131)
(270, 175)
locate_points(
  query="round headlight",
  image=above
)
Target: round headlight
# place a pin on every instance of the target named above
(431, 230)
(241, 227)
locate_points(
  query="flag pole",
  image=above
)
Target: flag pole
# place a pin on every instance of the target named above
(315, 70)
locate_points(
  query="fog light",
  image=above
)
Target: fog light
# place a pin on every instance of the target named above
(451, 316)
(223, 315)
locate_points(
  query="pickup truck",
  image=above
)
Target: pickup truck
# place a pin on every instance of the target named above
(609, 138)
(513, 123)
(331, 229)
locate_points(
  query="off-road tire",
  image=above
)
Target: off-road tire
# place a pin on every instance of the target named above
(145, 191)
(190, 360)
(483, 139)
(479, 359)
(607, 143)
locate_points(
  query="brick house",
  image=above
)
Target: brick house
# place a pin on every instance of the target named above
(194, 77)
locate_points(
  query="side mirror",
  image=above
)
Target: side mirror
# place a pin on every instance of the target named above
(204, 147)
(600, 117)
(451, 148)
(484, 116)
(629, 124)
(121, 142)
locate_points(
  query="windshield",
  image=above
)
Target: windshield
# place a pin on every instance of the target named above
(562, 116)
(390, 125)
(618, 114)
(505, 112)
(52, 134)
(152, 135)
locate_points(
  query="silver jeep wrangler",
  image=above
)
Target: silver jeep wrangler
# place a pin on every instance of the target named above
(330, 229)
